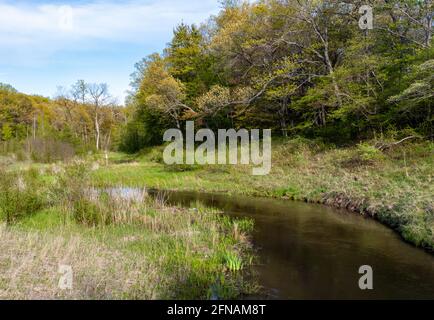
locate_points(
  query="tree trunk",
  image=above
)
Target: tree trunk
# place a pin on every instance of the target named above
(428, 31)
(332, 75)
(98, 134)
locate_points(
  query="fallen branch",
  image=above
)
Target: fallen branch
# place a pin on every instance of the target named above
(386, 146)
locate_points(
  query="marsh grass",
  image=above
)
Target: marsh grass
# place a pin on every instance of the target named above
(394, 186)
(233, 262)
(121, 244)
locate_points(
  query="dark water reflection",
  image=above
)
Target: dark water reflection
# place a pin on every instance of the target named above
(314, 252)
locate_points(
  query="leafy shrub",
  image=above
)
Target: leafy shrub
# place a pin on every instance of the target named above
(20, 195)
(74, 194)
(368, 152)
(156, 155)
(88, 213)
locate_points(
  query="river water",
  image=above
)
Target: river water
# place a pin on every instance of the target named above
(309, 251)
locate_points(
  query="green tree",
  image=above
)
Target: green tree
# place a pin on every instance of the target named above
(189, 62)
(7, 133)
(7, 87)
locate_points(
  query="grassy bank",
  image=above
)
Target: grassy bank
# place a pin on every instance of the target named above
(394, 186)
(120, 246)
(134, 246)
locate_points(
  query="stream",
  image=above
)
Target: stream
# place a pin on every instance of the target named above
(309, 251)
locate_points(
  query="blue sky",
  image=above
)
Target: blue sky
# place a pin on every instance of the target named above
(46, 44)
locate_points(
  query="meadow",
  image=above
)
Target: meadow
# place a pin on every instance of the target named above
(118, 246)
(130, 245)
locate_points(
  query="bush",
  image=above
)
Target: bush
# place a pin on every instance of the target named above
(369, 153)
(73, 193)
(20, 195)
(88, 213)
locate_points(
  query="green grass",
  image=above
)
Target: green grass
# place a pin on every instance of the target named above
(147, 250)
(395, 187)
(118, 249)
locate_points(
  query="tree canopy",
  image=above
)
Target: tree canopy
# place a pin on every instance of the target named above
(298, 67)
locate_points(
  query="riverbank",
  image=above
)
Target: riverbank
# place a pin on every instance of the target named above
(118, 245)
(393, 186)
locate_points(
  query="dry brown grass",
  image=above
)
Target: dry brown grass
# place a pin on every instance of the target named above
(29, 268)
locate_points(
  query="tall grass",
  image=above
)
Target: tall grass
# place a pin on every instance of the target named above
(393, 185)
(121, 243)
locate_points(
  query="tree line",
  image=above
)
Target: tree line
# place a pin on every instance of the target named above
(83, 117)
(299, 67)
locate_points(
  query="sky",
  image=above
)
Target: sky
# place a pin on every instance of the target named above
(45, 44)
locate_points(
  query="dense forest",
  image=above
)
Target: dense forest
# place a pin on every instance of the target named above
(298, 67)
(301, 68)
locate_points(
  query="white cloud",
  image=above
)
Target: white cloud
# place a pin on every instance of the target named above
(44, 44)
(53, 27)
(66, 18)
